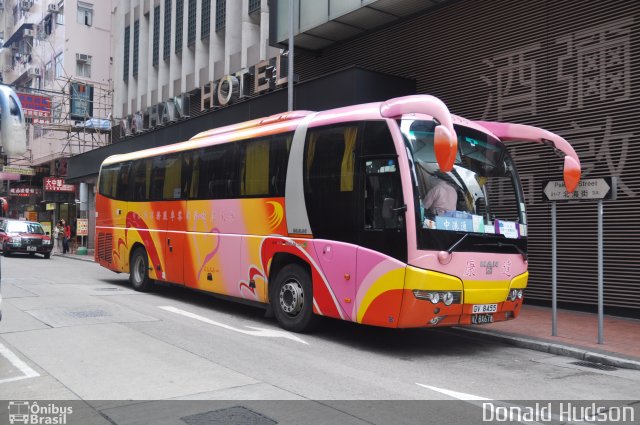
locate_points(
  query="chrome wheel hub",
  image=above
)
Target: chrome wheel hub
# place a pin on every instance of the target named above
(138, 270)
(291, 297)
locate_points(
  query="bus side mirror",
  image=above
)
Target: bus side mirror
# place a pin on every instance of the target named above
(445, 146)
(571, 173)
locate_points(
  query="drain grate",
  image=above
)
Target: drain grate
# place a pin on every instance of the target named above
(598, 366)
(237, 415)
(83, 314)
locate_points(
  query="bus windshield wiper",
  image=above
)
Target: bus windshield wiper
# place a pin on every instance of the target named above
(500, 244)
(458, 242)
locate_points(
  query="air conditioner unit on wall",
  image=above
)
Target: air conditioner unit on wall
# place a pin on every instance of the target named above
(81, 57)
(34, 71)
(29, 33)
(26, 4)
(53, 8)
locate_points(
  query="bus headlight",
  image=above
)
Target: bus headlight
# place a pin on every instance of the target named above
(435, 297)
(515, 294)
(447, 298)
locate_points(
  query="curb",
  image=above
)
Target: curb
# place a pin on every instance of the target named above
(76, 257)
(609, 359)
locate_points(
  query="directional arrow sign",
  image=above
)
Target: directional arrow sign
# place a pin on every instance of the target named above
(602, 188)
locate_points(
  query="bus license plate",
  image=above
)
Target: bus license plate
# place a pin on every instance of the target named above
(32, 248)
(481, 319)
(485, 308)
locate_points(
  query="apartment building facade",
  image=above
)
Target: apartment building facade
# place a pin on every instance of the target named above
(56, 54)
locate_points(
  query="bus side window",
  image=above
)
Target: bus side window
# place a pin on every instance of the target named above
(123, 185)
(383, 193)
(279, 158)
(157, 178)
(255, 167)
(109, 180)
(172, 188)
(141, 176)
(329, 175)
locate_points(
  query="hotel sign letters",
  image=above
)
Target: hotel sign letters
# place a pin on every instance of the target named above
(262, 77)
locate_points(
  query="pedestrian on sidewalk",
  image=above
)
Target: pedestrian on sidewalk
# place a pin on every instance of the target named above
(58, 237)
(67, 236)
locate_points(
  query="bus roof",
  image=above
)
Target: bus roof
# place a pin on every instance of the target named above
(424, 105)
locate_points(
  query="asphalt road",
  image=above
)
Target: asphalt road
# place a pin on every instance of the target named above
(72, 330)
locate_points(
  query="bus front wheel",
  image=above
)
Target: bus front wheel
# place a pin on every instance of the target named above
(139, 276)
(292, 299)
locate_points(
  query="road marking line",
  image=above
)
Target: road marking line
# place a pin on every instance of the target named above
(268, 333)
(455, 394)
(15, 360)
(477, 401)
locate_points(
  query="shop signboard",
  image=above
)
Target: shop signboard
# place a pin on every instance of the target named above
(38, 108)
(83, 227)
(25, 171)
(57, 184)
(24, 191)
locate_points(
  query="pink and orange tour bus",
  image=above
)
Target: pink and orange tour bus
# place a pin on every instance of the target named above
(323, 214)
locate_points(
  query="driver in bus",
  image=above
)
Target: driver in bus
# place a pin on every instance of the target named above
(441, 197)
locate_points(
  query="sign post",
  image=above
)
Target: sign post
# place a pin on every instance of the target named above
(588, 189)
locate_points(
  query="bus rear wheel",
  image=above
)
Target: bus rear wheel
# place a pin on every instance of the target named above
(139, 273)
(292, 299)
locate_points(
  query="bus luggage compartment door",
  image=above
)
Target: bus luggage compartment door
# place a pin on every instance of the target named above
(173, 214)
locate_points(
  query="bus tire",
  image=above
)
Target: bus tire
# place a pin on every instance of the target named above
(139, 272)
(292, 299)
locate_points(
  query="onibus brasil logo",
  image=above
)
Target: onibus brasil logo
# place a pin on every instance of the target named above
(25, 412)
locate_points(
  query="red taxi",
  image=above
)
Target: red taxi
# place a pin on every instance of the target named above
(24, 236)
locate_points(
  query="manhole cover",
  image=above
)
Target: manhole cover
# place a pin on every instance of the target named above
(237, 415)
(83, 314)
(598, 366)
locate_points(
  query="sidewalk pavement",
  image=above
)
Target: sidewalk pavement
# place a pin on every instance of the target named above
(577, 333)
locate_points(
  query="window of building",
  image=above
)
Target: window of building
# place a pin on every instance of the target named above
(125, 62)
(254, 6)
(156, 36)
(179, 26)
(221, 11)
(60, 15)
(191, 28)
(136, 46)
(59, 66)
(85, 13)
(48, 72)
(47, 25)
(83, 65)
(166, 48)
(205, 19)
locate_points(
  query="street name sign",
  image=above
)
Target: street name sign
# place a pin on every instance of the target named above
(588, 189)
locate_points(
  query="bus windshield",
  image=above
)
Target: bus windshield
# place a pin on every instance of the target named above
(481, 196)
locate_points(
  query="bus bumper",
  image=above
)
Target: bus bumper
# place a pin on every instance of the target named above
(454, 303)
